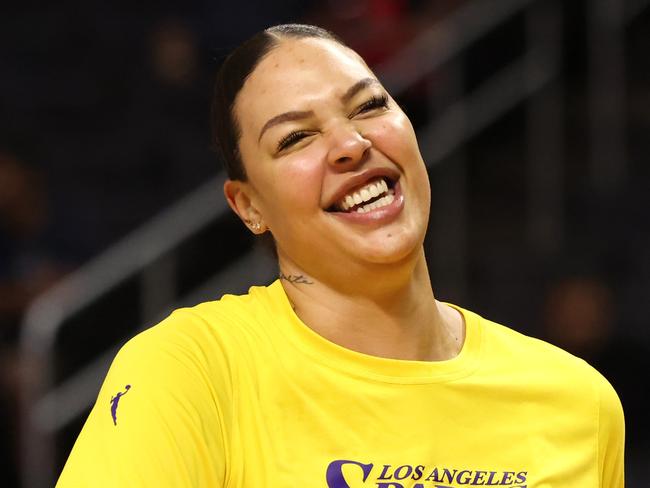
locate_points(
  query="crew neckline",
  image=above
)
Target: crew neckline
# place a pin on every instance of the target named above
(376, 368)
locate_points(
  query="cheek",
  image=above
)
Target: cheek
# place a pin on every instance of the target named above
(395, 138)
(298, 179)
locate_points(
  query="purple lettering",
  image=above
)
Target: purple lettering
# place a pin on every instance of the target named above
(334, 474)
(464, 477)
(491, 479)
(448, 476)
(403, 472)
(419, 470)
(479, 477)
(384, 473)
(390, 484)
(507, 478)
(433, 476)
(521, 476)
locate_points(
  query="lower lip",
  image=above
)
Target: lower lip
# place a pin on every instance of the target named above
(379, 215)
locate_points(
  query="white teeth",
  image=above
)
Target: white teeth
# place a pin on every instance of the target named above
(368, 192)
(382, 202)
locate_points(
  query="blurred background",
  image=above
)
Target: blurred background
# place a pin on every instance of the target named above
(533, 117)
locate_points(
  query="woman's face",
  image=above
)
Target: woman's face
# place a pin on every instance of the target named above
(334, 170)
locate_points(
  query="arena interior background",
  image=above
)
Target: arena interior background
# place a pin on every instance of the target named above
(533, 117)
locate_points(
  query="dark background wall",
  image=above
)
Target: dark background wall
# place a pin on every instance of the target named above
(104, 123)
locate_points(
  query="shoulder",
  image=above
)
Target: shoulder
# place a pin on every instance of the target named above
(202, 337)
(506, 349)
(512, 344)
(565, 383)
(166, 410)
(186, 363)
(554, 368)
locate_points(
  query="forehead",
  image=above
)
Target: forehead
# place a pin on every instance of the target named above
(295, 73)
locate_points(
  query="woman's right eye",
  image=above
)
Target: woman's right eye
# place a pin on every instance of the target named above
(291, 139)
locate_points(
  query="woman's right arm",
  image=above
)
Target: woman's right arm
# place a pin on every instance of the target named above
(156, 421)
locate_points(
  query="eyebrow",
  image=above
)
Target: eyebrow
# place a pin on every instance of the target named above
(285, 117)
(357, 87)
(303, 114)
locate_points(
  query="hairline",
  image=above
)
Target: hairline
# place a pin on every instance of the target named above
(278, 38)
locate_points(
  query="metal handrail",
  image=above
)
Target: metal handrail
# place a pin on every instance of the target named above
(137, 250)
(487, 103)
(445, 40)
(68, 400)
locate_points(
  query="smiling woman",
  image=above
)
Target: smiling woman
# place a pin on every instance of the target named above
(324, 135)
(346, 371)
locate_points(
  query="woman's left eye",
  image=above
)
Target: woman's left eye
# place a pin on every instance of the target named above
(377, 101)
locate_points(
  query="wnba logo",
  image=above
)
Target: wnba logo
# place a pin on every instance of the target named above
(115, 400)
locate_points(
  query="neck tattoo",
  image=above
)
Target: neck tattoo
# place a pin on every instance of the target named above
(296, 279)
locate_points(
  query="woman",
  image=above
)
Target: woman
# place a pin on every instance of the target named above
(346, 372)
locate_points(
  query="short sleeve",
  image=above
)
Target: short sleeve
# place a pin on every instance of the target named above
(611, 438)
(157, 421)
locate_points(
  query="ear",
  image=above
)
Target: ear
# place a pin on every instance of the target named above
(241, 198)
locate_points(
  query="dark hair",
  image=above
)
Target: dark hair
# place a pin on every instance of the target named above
(230, 79)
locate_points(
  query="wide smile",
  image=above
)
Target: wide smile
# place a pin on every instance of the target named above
(363, 188)
(377, 201)
(375, 194)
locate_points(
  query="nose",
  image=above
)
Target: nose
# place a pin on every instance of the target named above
(348, 146)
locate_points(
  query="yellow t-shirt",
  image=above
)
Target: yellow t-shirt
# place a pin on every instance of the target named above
(240, 393)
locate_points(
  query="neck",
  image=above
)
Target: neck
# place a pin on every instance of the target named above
(396, 318)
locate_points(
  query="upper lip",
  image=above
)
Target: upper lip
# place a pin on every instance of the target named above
(358, 180)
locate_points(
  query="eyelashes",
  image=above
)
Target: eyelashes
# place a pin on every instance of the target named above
(291, 139)
(375, 102)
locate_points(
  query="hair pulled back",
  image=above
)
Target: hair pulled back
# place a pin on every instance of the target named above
(231, 78)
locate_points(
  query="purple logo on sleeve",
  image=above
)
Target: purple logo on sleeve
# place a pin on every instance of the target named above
(115, 400)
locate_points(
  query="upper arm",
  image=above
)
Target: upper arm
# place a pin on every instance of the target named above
(167, 428)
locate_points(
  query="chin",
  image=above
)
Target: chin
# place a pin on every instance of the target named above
(391, 250)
